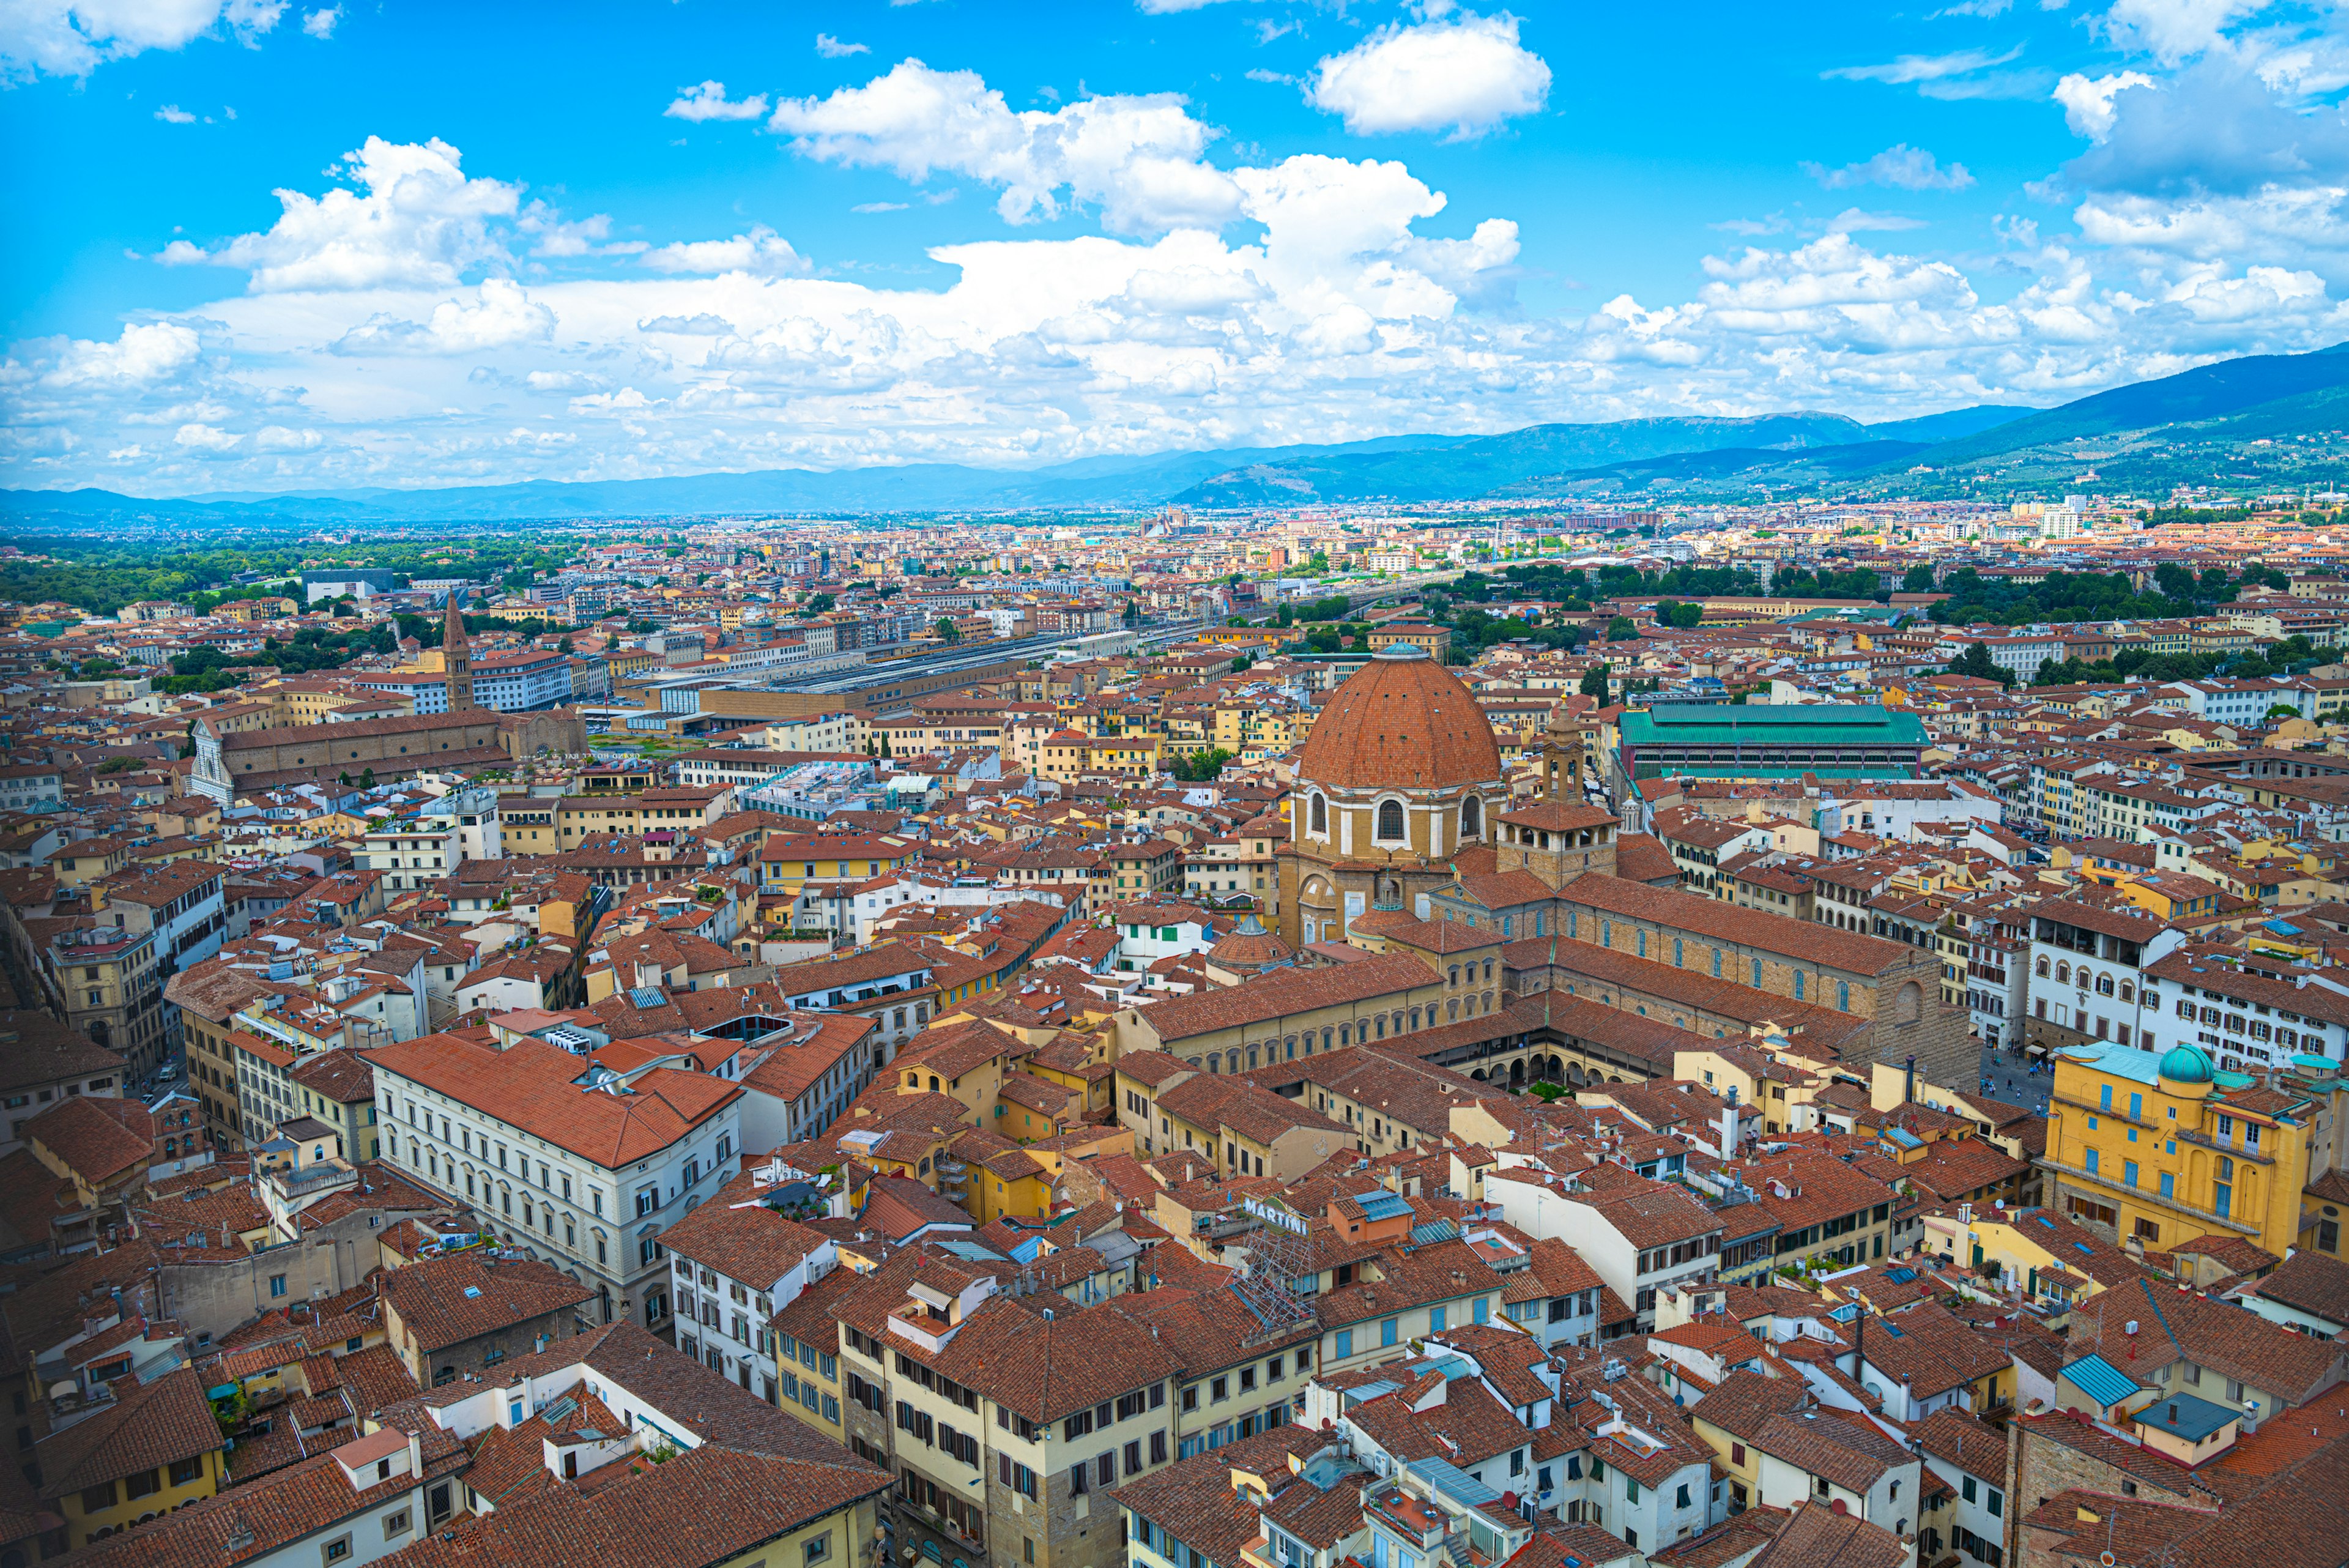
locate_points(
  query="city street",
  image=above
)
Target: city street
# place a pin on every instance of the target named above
(2010, 1082)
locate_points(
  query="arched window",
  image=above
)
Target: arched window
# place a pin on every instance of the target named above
(1606, 933)
(1757, 974)
(2128, 992)
(1321, 813)
(2062, 974)
(1452, 1008)
(1472, 817)
(1908, 1003)
(1215, 1061)
(1799, 977)
(2040, 969)
(1345, 1035)
(1641, 942)
(1677, 961)
(1716, 963)
(2104, 985)
(1390, 821)
(1843, 996)
(1455, 974)
(1414, 1018)
(1382, 1022)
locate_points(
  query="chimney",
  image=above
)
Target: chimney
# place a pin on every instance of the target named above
(1729, 1128)
(415, 1456)
(1908, 1088)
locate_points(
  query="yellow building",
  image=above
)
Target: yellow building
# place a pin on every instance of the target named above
(156, 1448)
(2166, 1150)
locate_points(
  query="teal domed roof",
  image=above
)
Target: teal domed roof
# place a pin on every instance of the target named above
(2185, 1065)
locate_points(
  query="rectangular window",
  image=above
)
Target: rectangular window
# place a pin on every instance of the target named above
(1389, 1328)
(1345, 1342)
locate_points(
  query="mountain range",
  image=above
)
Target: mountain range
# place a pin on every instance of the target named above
(2272, 419)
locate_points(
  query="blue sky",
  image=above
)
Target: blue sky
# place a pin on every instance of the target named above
(265, 247)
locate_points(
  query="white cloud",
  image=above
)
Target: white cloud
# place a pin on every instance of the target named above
(172, 114)
(2175, 30)
(1467, 77)
(1138, 159)
(424, 326)
(1901, 166)
(2088, 100)
(414, 219)
(501, 315)
(708, 101)
(320, 24)
(761, 252)
(144, 354)
(74, 37)
(1857, 220)
(831, 49)
(880, 207)
(203, 438)
(1908, 69)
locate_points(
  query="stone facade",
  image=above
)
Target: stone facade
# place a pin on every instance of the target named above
(393, 747)
(1896, 987)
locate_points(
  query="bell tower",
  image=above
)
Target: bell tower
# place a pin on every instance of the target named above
(1561, 753)
(456, 659)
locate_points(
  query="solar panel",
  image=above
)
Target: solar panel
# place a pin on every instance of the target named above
(648, 996)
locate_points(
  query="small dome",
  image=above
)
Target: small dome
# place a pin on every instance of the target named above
(1250, 946)
(2185, 1065)
(1403, 720)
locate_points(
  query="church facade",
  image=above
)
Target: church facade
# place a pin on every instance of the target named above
(1402, 810)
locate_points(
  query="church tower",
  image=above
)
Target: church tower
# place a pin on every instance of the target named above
(455, 657)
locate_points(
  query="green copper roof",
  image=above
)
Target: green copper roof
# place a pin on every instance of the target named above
(1789, 724)
(1893, 770)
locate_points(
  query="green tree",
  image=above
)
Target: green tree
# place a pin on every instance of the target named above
(1621, 629)
(1676, 613)
(948, 632)
(1917, 579)
(1976, 661)
(1594, 682)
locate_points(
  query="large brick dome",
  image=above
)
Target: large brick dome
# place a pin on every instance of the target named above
(1402, 722)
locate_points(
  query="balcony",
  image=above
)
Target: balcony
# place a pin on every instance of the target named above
(293, 1184)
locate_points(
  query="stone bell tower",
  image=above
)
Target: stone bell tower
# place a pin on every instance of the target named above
(456, 659)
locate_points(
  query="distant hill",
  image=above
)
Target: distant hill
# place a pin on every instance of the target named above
(2234, 387)
(1120, 482)
(2265, 418)
(1491, 463)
